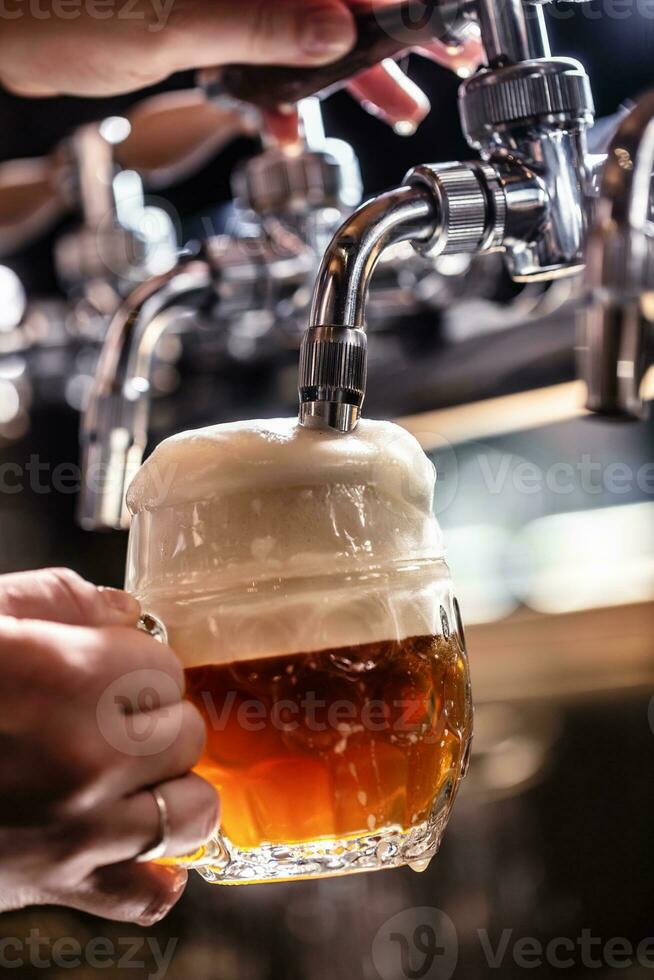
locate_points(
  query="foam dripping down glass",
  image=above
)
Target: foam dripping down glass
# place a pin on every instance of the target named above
(300, 578)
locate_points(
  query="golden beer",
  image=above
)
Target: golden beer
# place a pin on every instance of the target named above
(339, 743)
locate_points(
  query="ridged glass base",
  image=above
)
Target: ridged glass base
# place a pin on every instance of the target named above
(388, 848)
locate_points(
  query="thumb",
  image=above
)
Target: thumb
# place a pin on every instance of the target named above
(59, 595)
(292, 32)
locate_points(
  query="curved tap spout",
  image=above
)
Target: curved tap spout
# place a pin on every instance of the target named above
(115, 424)
(333, 354)
(348, 264)
(620, 271)
(442, 208)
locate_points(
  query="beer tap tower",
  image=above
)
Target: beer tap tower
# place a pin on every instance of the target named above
(121, 240)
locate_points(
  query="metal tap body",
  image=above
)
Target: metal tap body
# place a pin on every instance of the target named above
(529, 197)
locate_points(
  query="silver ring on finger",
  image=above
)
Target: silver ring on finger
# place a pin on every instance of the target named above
(163, 840)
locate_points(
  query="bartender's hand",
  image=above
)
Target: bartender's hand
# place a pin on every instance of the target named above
(91, 715)
(95, 51)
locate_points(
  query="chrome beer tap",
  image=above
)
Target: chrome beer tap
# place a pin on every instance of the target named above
(122, 240)
(529, 196)
(252, 284)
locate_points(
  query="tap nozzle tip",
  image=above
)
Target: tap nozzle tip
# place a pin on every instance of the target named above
(332, 381)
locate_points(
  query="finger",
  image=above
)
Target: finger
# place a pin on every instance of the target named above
(95, 667)
(155, 746)
(296, 32)
(387, 92)
(140, 893)
(193, 812)
(59, 595)
(141, 673)
(123, 830)
(73, 680)
(124, 55)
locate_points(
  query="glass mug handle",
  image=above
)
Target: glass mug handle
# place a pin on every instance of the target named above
(214, 854)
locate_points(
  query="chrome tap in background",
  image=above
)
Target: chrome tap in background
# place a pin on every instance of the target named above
(290, 201)
(100, 172)
(121, 240)
(616, 321)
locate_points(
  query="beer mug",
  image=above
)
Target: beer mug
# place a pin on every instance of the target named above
(299, 576)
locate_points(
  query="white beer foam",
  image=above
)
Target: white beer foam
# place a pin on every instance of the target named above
(265, 538)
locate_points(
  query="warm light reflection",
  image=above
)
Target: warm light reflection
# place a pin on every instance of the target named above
(501, 416)
(9, 402)
(586, 560)
(12, 300)
(556, 564)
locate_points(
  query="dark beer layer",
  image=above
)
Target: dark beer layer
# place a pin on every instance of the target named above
(333, 744)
